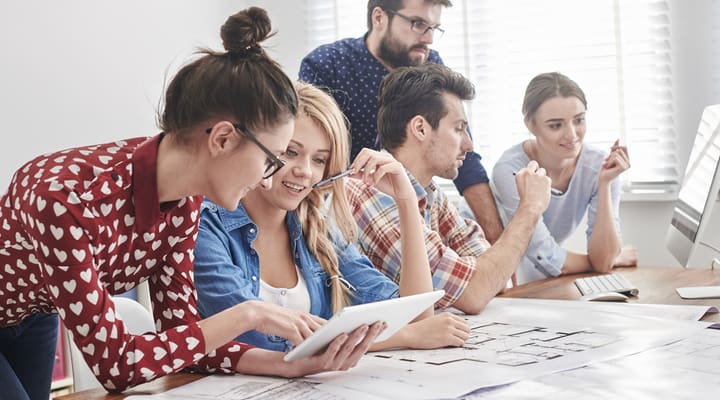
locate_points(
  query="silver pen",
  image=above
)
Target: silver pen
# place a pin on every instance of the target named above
(553, 191)
(333, 178)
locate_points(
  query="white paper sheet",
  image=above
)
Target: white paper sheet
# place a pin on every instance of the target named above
(602, 335)
(688, 369)
(515, 340)
(667, 311)
(236, 387)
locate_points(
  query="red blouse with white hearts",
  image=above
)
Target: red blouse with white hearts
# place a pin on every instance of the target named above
(80, 225)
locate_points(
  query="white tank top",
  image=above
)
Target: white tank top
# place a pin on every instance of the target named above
(297, 298)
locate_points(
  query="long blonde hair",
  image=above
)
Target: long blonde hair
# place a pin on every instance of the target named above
(327, 206)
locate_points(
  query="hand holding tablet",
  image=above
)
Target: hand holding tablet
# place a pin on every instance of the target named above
(396, 313)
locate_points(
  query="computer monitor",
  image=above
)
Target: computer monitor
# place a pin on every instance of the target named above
(690, 225)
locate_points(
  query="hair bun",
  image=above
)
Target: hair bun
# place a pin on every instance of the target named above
(243, 31)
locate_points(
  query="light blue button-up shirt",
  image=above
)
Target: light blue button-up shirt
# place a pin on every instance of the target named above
(545, 255)
(227, 269)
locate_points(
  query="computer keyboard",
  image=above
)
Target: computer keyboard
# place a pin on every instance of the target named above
(606, 283)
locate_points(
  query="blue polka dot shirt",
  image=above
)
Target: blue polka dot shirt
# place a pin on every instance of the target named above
(349, 72)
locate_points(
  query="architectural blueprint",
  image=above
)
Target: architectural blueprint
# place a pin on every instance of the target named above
(509, 345)
(518, 348)
(688, 369)
(512, 340)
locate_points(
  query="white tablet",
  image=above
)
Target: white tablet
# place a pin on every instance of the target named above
(395, 312)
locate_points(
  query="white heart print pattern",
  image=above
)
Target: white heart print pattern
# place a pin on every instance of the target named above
(83, 224)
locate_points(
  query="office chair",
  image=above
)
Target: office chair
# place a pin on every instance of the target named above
(137, 320)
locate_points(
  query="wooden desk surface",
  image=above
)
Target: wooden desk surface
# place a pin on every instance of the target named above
(159, 385)
(656, 285)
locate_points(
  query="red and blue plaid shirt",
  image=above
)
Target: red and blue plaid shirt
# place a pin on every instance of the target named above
(452, 242)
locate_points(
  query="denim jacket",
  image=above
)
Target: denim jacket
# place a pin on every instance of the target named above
(227, 269)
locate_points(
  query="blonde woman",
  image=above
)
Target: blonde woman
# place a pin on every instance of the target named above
(292, 244)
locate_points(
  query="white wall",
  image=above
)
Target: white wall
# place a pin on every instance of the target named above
(694, 57)
(87, 71)
(80, 72)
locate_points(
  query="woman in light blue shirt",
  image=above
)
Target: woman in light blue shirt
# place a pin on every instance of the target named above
(583, 181)
(292, 245)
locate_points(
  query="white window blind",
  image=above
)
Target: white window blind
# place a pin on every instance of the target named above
(618, 51)
(330, 20)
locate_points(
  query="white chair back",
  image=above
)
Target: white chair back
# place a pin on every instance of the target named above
(137, 320)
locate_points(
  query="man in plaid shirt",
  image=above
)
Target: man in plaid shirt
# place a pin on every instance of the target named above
(422, 123)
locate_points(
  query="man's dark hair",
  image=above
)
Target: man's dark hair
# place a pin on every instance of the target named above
(410, 91)
(395, 5)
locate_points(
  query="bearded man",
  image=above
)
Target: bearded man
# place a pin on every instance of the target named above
(399, 34)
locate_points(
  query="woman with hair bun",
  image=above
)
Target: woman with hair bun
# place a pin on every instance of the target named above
(83, 224)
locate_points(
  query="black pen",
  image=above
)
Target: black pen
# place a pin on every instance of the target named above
(553, 191)
(333, 178)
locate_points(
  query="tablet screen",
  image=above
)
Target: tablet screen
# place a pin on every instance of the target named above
(395, 312)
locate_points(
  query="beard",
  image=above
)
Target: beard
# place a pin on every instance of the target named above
(450, 173)
(395, 56)
(440, 165)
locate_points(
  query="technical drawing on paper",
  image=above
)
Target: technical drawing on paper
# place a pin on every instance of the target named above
(687, 369)
(509, 345)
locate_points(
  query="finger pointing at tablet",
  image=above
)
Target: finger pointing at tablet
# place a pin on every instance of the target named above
(296, 326)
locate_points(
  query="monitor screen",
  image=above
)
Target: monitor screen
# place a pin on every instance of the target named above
(699, 187)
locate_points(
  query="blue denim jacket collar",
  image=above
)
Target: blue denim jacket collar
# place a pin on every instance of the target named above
(239, 218)
(311, 269)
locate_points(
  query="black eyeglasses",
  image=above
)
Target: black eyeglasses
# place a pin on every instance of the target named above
(274, 163)
(419, 26)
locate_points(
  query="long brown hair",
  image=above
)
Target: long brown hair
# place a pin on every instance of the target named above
(327, 205)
